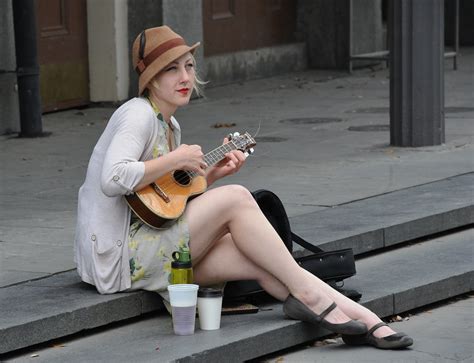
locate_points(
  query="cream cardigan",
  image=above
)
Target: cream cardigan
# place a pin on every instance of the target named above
(115, 168)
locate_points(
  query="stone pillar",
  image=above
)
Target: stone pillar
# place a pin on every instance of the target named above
(142, 14)
(416, 72)
(109, 54)
(185, 18)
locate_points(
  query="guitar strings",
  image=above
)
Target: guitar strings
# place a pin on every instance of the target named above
(190, 174)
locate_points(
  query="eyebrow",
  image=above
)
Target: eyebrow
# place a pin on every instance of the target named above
(186, 61)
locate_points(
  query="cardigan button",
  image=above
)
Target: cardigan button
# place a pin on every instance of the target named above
(119, 243)
(93, 237)
(116, 178)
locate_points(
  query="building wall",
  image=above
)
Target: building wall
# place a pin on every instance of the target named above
(325, 26)
(113, 25)
(9, 111)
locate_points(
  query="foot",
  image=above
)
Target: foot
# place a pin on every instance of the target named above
(296, 309)
(383, 331)
(318, 305)
(390, 341)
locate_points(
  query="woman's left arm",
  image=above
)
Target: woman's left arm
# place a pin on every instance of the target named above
(231, 164)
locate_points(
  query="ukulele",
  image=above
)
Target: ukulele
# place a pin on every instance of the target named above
(165, 199)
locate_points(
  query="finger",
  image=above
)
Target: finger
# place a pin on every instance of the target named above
(240, 156)
(231, 165)
(231, 156)
(201, 171)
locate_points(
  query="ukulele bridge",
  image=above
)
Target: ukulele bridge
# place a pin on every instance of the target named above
(160, 192)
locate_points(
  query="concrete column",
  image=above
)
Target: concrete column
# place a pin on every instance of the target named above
(417, 72)
(185, 18)
(109, 53)
(142, 14)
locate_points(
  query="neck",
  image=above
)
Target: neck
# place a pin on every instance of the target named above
(165, 109)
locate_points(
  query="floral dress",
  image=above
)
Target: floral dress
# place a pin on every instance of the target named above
(150, 249)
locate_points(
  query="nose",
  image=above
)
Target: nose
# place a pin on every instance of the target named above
(184, 75)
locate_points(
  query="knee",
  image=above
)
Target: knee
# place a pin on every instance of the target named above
(240, 195)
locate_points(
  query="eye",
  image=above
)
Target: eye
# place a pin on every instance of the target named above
(170, 68)
(190, 65)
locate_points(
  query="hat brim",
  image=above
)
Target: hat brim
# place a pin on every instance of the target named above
(161, 62)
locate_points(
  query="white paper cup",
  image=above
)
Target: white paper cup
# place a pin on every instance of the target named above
(209, 306)
(183, 298)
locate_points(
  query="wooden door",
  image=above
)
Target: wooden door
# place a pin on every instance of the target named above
(233, 25)
(62, 53)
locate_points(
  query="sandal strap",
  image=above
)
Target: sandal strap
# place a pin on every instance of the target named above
(375, 327)
(328, 310)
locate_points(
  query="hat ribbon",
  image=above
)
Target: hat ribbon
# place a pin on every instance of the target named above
(158, 51)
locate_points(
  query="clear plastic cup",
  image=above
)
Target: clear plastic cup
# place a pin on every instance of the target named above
(183, 299)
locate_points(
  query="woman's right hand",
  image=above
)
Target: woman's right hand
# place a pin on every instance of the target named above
(190, 157)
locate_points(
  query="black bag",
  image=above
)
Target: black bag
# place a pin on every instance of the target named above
(330, 266)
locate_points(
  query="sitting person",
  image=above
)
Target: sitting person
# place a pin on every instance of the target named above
(116, 251)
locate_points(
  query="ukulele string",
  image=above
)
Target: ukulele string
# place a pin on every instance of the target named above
(190, 174)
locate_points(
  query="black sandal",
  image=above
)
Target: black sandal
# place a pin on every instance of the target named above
(295, 309)
(394, 341)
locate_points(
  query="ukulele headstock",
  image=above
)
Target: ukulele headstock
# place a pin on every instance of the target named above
(244, 143)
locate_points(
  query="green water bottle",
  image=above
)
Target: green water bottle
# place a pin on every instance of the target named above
(181, 267)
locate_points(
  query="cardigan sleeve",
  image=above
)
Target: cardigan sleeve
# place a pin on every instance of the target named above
(122, 169)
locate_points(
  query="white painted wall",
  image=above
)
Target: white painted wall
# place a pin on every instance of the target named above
(108, 50)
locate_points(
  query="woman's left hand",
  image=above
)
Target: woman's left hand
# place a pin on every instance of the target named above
(231, 164)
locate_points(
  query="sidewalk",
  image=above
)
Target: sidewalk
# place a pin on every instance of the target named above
(322, 141)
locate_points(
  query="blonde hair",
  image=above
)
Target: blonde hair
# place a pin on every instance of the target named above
(198, 83)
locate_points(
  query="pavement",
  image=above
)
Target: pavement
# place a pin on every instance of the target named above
(322, 141)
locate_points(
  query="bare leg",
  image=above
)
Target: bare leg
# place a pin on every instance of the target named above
(215, 268)
(231, 209)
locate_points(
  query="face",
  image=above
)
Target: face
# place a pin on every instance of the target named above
(175, 84)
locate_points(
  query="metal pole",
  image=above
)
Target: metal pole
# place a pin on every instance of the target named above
(417, 72)
(456, 36)
(24, 20)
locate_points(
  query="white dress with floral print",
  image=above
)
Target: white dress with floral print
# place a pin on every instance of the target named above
(150, 249)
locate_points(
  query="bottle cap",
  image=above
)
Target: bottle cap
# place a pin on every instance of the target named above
(209, 292)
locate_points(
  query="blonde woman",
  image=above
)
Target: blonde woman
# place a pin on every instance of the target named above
(228, 236)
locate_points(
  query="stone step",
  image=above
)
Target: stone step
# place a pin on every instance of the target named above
(61, 304)
(389, 219)
(392, 282)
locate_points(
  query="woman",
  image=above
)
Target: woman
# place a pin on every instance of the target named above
(115, 251)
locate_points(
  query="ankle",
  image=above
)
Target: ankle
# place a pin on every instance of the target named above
(307, 297)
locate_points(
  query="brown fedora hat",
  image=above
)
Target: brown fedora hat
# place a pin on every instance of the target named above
(154, 49)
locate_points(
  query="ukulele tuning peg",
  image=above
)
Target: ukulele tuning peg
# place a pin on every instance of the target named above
(249, 152)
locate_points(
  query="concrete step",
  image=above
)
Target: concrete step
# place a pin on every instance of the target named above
(392, 282)
(389, 219)
(60, 305)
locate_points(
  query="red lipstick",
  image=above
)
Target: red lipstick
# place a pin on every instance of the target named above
(183, 91)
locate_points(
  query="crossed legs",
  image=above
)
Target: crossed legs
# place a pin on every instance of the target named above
(232, 240)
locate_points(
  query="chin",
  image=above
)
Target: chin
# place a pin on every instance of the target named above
(183, 101)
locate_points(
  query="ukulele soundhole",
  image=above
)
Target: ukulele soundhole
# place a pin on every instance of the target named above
(182, 177)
